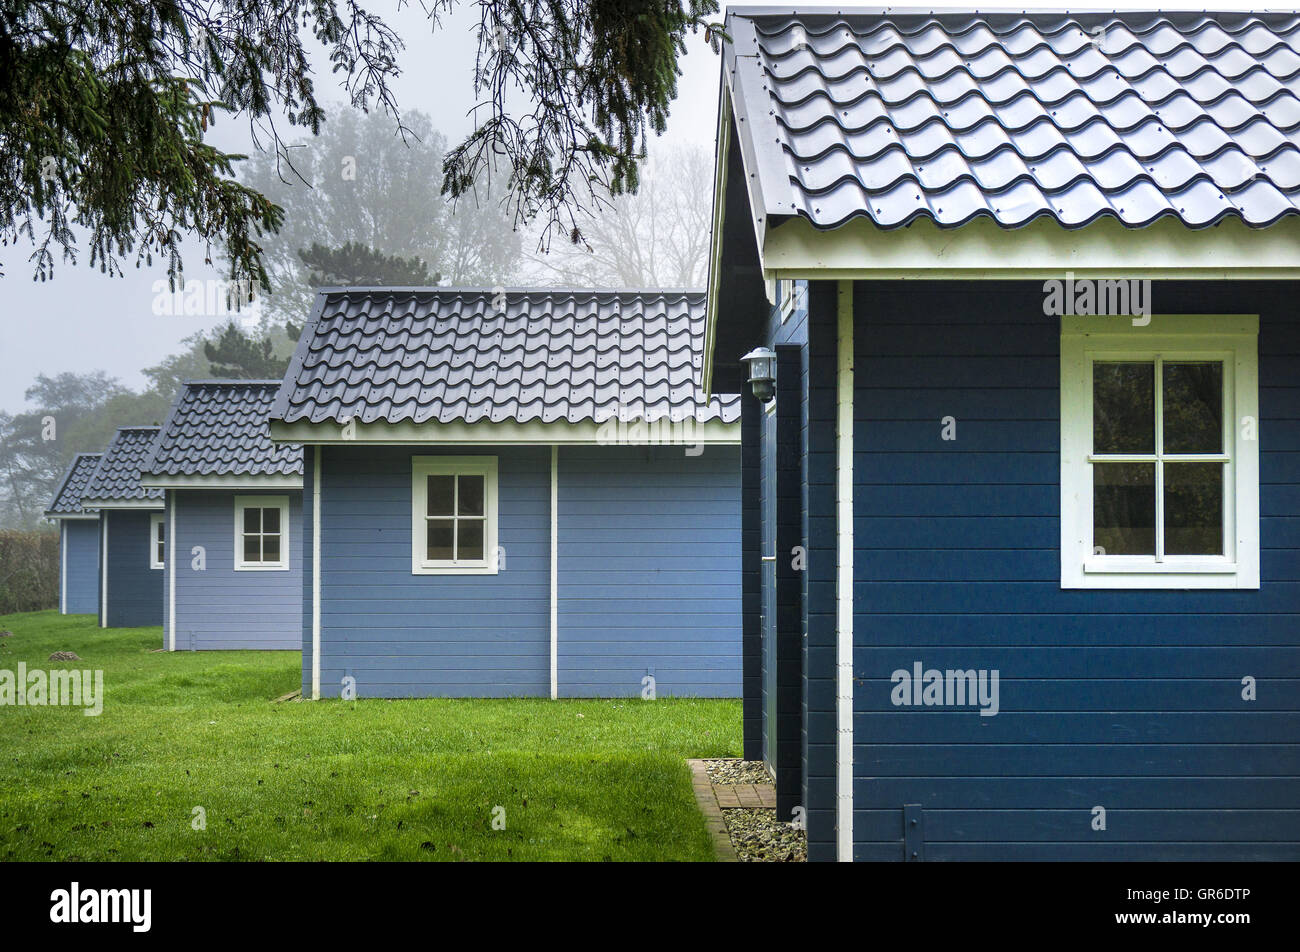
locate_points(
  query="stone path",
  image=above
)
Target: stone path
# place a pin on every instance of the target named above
(713, 798)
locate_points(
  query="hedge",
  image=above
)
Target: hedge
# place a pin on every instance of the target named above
(29, 570)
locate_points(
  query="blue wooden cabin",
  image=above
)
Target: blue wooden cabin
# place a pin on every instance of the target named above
(1028, 285)
(78, 539)
(518, 493)
(233, 506)
(132, 533)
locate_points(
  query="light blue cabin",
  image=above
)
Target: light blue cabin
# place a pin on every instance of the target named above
(234, 511)
(132, 532)
(78, 539)
(520, 494)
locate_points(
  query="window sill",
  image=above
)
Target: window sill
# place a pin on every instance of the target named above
(262, 568)
(448, 568)
(1146, 574)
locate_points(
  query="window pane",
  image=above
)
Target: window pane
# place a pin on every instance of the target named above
(1193, 395)
(252, 549)
(1194, 508)
(471, 539)
(442, 494)
(271, 548)
(271, 520)
(438, 540)
(252, 519)
(158, 557)
(1123, 408)
(471, 496)
(1124, 508)
(162, 532)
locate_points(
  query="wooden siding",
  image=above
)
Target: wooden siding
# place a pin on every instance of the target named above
(218, 608)
(404, 635)
(79, 563)
(1128, 700)
(135, 591)
(649, 571)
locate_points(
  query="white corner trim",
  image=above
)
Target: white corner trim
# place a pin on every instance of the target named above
(103, 572)
(315, 574)
(1232, 339)
(286, 532)
(844, 576)
(63, 567)
(171, 570)
(423, 467)
(555, 572)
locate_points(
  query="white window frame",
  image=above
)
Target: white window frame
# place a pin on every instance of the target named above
(423, 467)
(1234, 339)
(157, 521)
(262, 502)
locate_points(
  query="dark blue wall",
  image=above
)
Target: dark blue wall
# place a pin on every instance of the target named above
(135, 591)
(79, 563)
(1126, 700)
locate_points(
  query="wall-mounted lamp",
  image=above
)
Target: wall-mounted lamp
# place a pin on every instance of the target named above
(762, 373)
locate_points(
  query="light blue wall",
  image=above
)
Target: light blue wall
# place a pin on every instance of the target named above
(79, 563)
(649, 578)
(218, 607)
(135, 591)
(649, 571)
(404, 635)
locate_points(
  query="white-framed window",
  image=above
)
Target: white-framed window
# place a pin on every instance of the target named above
(157, 539)
(261, 533)
(1160, 452)
(454, 515)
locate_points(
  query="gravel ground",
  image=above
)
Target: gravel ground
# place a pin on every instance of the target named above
(737, 771)
(759, 837)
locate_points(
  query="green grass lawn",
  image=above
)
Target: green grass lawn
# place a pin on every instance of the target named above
(333, 780)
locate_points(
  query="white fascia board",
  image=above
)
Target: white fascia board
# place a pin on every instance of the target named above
(155, 504)
(659, 433)
(59, 517)
(983, 250)
(222, 482)
(718, 220)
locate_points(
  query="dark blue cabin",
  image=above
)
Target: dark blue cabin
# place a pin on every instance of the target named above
(132, 532)
(78, 539)
(234, 513)
(1021, 553)
(519, 493)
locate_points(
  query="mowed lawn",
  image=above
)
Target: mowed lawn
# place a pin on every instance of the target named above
(333, 780)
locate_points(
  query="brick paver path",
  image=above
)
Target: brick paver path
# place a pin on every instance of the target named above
(713, 798)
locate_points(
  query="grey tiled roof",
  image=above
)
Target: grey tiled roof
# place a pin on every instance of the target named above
(67, 498)
(907, 114)
(446, 355)
(117, 477)
(219, 428)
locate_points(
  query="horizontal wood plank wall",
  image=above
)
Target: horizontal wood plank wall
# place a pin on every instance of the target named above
(81, 561)
(1127, 700)
(404, 635)
(135, 591)
(218, 608)
(649, 571)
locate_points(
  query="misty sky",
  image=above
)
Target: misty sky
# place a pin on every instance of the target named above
(83, 321)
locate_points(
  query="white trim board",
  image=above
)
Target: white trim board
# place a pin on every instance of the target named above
(315, 574)
(63, 568)
(555, 572)
(103, 574)
(171, 571)
(844, 575)
(526, 434)
(253, 483)
(101, 504)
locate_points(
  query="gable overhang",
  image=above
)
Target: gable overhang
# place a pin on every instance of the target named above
(614, 432)
(70, 516)
(222, 481)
